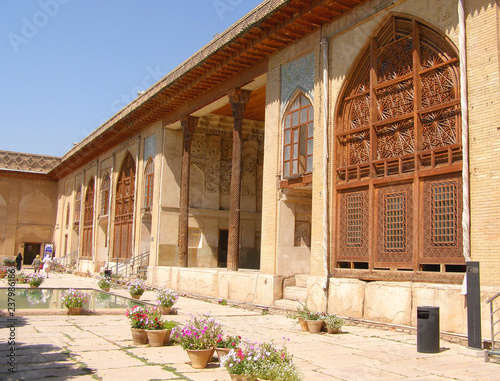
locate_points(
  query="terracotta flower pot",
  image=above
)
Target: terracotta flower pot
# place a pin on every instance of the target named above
(74, 310)
(165, 310)
(314, 325)
(199, 358)
(136, 296)
(156, 337)
(139, 336)
(167, 336)
(221, 352)
(303, 324)
(34, 285)
(105, 289)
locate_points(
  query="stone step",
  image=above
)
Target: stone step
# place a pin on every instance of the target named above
(301, 280)
(295, 293)
(288, 305)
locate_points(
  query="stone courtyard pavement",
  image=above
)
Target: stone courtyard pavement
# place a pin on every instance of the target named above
(99, 347)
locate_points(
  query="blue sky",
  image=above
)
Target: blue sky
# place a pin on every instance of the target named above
(67, 66)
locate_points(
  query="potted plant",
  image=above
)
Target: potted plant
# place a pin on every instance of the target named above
(35, 279)
(136, 288)
(300, 316)
(137, 316)
(165, 298)
(314, 321)
(104, 282)
(9, 262)
(3, 271)
(74, 301)
(333, 323)
(169, 325)
(199, 338)
(263, 361)
(21, 277)
(224, 345)
(155, 327)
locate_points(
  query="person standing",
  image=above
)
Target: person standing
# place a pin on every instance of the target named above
(36, 264)
(46, 264)
(19, 261)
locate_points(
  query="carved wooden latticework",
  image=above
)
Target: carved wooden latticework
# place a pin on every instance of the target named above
(398, 123)
(443, 216)
(88, 220)
(354, 226)
(124, 209)
(394, 226)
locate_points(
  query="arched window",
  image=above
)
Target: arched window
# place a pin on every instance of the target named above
(106, 183)
(88, 220)
(124, 209)
(298, 138)
(78, 206)
(149, 174)
(398, 152)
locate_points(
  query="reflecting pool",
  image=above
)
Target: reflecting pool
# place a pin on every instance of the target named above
(33, 298)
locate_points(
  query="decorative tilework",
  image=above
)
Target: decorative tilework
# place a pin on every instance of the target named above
(149, 148)
(298, 74)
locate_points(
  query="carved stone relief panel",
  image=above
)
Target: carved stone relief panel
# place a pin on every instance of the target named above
(198, 145)
(225, 177)
(249, 167)
(212, 172)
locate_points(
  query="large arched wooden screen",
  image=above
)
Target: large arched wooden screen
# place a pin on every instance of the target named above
(124, 209)
(88, 220)
(398, 154)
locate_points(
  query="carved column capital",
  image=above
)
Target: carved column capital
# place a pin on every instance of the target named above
(188, 124)
(238, 99)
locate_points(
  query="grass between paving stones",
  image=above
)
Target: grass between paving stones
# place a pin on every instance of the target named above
(163, 366)
(84, 367)
(124, 349)
(68, 336)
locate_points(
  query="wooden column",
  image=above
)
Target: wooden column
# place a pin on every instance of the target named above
(188, 124)
(238, 99)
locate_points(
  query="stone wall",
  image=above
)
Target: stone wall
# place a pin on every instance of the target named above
(242, 286)
(397, 302)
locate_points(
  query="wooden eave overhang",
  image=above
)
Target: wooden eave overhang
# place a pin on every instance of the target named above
(232, 59)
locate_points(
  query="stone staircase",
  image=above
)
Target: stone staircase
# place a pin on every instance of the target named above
(294, 292)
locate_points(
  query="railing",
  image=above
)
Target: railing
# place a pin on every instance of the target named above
(67, 260)
(136, 265)
(495, 326)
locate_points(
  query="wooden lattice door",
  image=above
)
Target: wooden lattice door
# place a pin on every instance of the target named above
(124, 210)
(88, 220)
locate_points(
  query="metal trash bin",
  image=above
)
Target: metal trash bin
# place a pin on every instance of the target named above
(107, 273)
(428, 329)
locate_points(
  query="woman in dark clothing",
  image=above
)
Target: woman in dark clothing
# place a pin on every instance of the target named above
(19, 261)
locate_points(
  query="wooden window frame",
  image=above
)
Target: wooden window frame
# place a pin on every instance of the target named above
(149, 174)
(298, 140)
